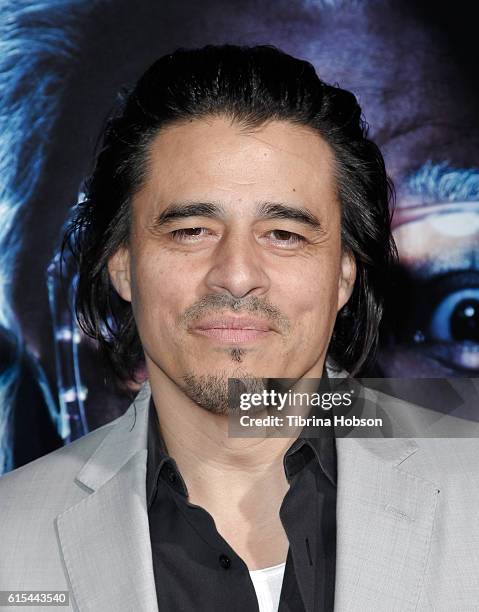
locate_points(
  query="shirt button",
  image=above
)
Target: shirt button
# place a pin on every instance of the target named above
(171, 476)
(225, 561)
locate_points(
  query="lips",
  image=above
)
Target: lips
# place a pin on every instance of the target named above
(233, 323)
(233, 330)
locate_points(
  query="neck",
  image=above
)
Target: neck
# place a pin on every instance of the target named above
(210, 461)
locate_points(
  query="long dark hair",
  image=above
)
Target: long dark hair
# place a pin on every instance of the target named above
(251, 85)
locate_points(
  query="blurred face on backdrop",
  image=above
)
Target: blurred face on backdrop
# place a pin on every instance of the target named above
(420, 101)
(234, 265)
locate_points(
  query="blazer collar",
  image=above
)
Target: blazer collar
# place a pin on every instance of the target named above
(127, 436)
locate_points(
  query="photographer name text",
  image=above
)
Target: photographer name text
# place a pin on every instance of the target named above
(300, 421)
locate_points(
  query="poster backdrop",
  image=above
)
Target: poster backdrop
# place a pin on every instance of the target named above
(62, 63)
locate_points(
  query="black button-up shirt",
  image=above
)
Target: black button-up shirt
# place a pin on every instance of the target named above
(196, 570)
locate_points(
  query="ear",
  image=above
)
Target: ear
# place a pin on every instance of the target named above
(346, 278)
(119, 270)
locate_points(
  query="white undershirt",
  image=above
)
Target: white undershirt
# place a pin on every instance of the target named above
(267, 583)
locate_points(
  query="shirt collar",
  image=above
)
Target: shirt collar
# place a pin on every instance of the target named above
(311, 444)
(158, 462)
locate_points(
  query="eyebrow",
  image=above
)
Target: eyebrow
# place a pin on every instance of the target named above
(272, 210)
(264, 210)
(436, 183)
(187, 209)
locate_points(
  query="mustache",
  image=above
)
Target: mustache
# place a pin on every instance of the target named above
(221, 302)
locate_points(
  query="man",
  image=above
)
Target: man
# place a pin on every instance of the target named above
(236, 225)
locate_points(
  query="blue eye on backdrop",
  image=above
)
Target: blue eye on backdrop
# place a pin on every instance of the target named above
(449, 319)
(440, 317)
(456, 318)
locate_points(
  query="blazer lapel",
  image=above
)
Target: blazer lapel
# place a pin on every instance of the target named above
(385, 517)
(105, 539)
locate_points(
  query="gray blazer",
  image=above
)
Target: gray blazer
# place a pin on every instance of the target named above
(407, 523)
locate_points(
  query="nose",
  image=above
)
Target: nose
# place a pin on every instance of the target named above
(236, 267)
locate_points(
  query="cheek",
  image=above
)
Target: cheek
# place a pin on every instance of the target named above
(310, 298)
(161, 289)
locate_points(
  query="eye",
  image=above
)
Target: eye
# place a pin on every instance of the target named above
(285, 238)
(445, 321)
(188, 234)
(456, 317)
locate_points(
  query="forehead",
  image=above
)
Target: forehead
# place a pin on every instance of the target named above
(218, 159)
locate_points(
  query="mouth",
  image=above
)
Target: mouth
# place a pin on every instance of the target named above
(233, 330)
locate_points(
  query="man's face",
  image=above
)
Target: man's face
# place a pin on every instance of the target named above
(234, 266)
